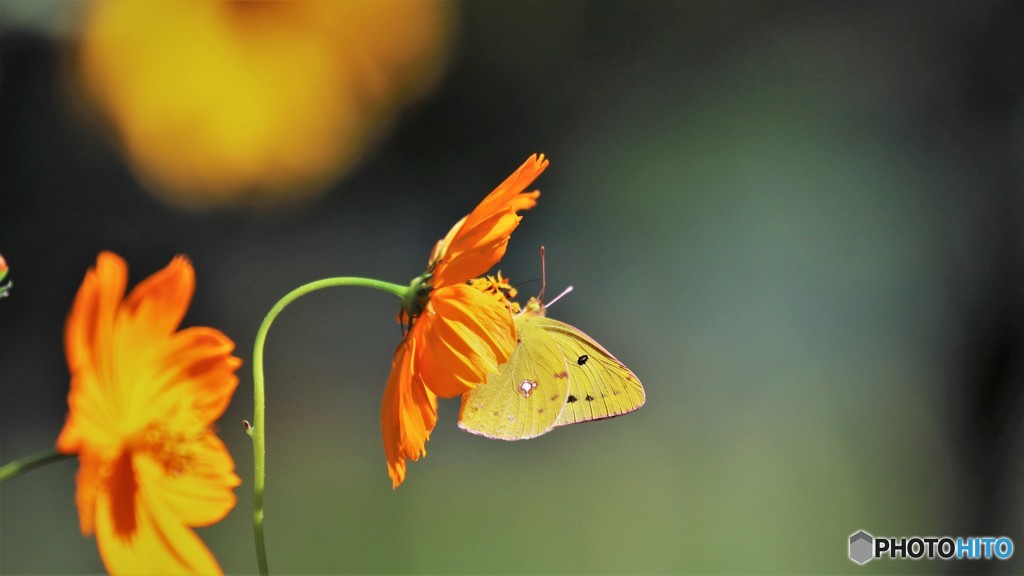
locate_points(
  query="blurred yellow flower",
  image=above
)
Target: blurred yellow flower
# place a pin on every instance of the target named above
(216, 102)
(144, 397)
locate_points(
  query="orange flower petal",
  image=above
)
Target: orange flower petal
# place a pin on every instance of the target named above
(470, 334)
(504, 195)
(88, 337)
(526, 200)
(90, 416)
(475, 250)
(195, 363)
(88, 332)
(408, 413)
(441, 247)
(155, 307)
(202, 494)
(87, 490)
(147, 318)
(159, 543)
(121, 491)
(477, 242)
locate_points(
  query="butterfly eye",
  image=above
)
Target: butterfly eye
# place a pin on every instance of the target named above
(526, 387)
(582, 360)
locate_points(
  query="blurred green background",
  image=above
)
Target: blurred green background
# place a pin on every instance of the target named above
(799, 223)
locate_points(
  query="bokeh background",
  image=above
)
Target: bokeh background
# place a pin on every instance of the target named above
(799, 223)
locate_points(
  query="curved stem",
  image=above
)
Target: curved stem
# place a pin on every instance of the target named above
(22, 465)
(258, 431)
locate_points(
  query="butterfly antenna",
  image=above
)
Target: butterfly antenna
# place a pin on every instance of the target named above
(543, 275)
(544, 282)
(521, 285)
(557, 298)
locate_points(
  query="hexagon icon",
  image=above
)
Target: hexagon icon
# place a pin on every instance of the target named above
(861, 544)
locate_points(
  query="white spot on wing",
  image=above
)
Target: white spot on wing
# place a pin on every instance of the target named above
(526, 387)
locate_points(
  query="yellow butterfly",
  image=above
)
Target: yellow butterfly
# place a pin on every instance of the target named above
(557, 375)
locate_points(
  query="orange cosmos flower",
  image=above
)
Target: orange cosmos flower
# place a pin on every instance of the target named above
(143, 400)
(458, 333)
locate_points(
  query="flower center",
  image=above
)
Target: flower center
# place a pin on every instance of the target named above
(499, 288)
(173, 449)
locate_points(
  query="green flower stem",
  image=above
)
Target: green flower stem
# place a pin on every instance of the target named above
(12, 469)
(259, 429)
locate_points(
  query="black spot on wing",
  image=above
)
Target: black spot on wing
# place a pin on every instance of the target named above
(570, 399)
(582, 360)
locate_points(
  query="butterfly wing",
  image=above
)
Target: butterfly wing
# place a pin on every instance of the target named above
(599, 385)
(525, 398)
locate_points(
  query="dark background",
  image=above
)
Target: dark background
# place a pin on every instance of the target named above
(799, 223)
